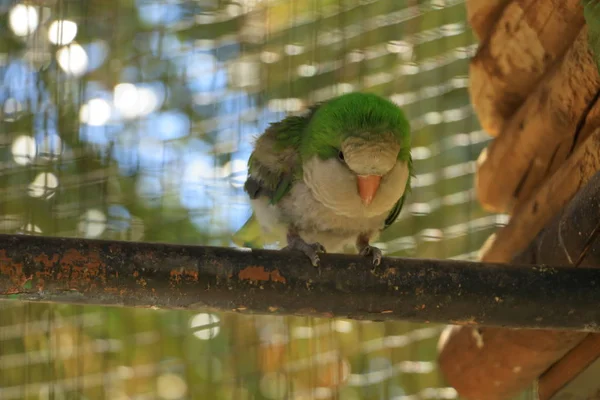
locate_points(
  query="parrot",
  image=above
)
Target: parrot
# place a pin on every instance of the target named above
(334, 177)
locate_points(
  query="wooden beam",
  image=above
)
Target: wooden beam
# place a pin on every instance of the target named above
(584, 386)
(530, 218)
(495, 363)
(483, 14)
(568, 367)
(542, 132)
(67, 270)
(525, 42)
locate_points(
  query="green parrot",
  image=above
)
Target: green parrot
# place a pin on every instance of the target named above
(334, 177)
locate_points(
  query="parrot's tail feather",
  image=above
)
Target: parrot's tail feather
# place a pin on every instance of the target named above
(249, 235)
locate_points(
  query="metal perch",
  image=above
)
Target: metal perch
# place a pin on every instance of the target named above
(80, 271)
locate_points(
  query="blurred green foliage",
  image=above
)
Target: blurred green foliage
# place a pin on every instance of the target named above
(216, 73)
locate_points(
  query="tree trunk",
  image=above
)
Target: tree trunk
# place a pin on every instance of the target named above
(541, 133)
(498, 363)
(528, 38)
(483, 14)
(529, 219)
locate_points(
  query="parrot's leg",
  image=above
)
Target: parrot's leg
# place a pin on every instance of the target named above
(365, 249)
(311, 250)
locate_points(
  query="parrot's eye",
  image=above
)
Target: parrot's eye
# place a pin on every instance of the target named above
(341, 156)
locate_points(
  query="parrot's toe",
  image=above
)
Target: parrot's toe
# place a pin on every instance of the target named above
(318, 247)
(375, 253)
(311, 250)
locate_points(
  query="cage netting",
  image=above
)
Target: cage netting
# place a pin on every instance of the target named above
(133, 120)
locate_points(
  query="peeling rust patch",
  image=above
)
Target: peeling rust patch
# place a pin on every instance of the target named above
(82, 269)
(256, 273)
(48, 266)
(389, 272)
(179, 275)
(276, 277)
(15, 273)
(191, 277)
(46, 261)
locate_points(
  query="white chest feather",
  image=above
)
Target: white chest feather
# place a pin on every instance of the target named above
(326, 207)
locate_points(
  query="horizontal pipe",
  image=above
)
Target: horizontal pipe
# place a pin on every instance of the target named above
(65, 270)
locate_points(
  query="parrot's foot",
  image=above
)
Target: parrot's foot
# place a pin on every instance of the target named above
(375, 253)
(311, 250)
(366, 250)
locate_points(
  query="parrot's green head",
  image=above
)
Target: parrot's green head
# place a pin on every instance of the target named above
(356, 153)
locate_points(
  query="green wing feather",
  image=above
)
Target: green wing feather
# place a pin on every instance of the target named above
(395, 212)
(398, 206)
(252, 235)
(273, 167)
(275, 162)
(249, 235)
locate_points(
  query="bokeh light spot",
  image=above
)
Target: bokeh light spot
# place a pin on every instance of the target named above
(72, 59)
(205, 326)
(171, 386)
(23, 150)
(62, 32)
(95, 112)
(43, 185)
(92, 223)
(23, 20)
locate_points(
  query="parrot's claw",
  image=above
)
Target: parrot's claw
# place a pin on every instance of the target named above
(375, 253)
(311, 250)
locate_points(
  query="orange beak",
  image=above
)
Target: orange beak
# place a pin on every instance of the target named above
(367, 187)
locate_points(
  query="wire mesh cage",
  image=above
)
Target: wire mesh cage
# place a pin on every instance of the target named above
(133, 120)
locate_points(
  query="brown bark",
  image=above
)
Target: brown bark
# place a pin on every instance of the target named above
(556, 123)
(530, 218)
(483, 14)
(497, 364)
(569, 367)
(527, 39)
(587, 125)
(541, 133)
(168, 276)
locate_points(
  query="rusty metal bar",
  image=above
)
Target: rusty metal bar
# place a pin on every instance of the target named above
(194, 277)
